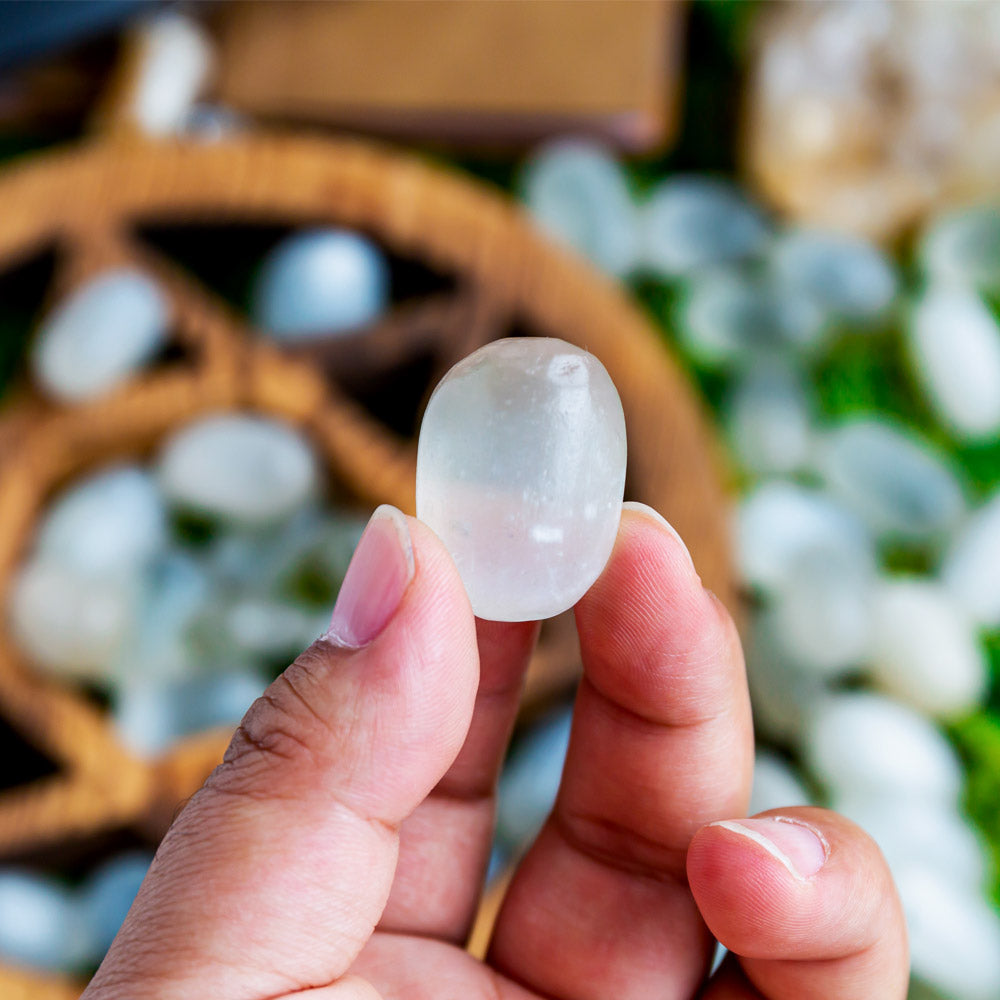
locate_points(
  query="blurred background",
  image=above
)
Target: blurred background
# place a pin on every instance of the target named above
(241, 242)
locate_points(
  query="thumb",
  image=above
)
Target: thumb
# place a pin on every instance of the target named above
(275, 874)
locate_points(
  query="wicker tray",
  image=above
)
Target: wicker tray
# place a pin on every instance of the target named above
(87, 203)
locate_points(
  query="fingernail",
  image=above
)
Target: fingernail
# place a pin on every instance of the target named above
(380, 571)
(647, 511)
(798, 846)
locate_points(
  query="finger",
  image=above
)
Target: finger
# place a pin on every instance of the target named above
(445, 845)
(806, 901)
(348, 988)
(273, 877)
(661, 744)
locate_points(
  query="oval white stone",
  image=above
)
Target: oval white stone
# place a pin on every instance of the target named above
(780, 522)
(769, 418)
(775, 785)
(690, 223)
(69, 623)
(865, 744)
(970, 566)
(249, 470)
(954, 934)
(924, 648)
(963, 248)
(955, 343)
(319, 282)
(894, 480)
(576, 191)
(111, 523)
(102, 333)
(844, 274)
(521, 472)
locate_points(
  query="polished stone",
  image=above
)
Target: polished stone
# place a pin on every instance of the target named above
(962, 248)
(775, 784)
(320, 282)
(925, 650)
(104, 332)
(691, 222)
(576, 191)
(954, 341)
(240, 469)
(107, 895)
(112, 523)
(521, 472)
(897, 482)
(867, 744)
(970, 565)
(41, 926)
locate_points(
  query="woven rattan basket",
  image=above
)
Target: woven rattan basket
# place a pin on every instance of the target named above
(88, 204)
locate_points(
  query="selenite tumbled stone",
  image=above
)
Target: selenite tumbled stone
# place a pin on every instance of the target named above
(576, 191)
(963, 248)
(521, 472)
(112, 523)
(970, 565)
(40, 924)
(865, 744)
(897, 482)
(925, 650)
(319, 282)
(954, 341)
(248, 470)
(106, 330)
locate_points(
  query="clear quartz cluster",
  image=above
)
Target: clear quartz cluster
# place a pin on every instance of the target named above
(521, 473)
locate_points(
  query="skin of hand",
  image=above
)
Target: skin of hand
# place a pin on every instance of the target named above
(339, 850)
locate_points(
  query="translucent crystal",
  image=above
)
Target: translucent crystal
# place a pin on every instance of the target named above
(107, 895)
(112, 523)
(970, 566)
(243, 469)
(576, 192)
(865, 744)
(693, 222)
(106, 330)
(925, 650)
(848, 276)
(521, 472)
(728, 317)
(769, 417)
(894, 480)
(955, 343)
(775, 785)
(319, 282)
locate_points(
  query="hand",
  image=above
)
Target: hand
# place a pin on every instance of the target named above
(338, 852)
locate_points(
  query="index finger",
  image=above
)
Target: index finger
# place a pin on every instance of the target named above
(661, 744)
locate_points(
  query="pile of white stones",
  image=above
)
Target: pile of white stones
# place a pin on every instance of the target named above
(851, 665)
(176, 588)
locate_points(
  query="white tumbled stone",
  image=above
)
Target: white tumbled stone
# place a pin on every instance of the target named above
(728, 317)
(822, 613)
(40, 924)
(897, 482)
(775, 785)
(846, 275)
(689, 223)
(521, 472)
(969, 570)
(106, 330)
(769, 417)
(917, 832)
(780, 522)
(530, 779)
(320, 282)
(963, 248)
(175, 60)
(107, 895)
(576, 191)
(954, 934)
(867, 744)
(954, 341)
(112, 523)
(69, 623)
(244, 469)
(925, 650)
